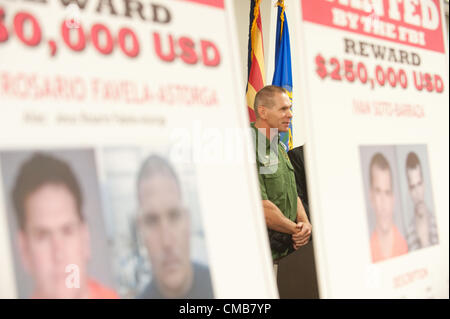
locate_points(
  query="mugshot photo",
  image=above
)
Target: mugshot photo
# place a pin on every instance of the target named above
(154, 223)
(417, 196)
(387, 233)
(56, 228)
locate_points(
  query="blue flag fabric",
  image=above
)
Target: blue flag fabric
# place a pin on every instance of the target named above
(282, 75)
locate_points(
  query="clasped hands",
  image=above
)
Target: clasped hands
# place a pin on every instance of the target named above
(302, 234)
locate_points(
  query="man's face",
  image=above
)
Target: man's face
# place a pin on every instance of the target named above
(279, 115)
(53, 237)
(382, 198)
(416, 186)
(166, 229)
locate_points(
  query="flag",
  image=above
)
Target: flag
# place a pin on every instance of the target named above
(256, 72)
(282, 75)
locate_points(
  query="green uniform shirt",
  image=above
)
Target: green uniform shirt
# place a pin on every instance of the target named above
(276, 178)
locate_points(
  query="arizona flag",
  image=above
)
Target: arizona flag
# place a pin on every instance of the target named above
(256, 74)
(282, 75)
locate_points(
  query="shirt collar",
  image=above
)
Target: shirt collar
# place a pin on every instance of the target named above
(261, 135)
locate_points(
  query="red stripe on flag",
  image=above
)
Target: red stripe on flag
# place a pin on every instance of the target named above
(255, 78)
(258, 34)
(257, 73)
(259, 25)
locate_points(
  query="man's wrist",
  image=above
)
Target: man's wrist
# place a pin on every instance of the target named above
(301, 220)
(293, 227)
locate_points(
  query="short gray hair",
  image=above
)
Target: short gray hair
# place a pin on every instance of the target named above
(265, 97)
(156, 165)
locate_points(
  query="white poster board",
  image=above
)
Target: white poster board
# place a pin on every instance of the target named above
(374, 79)
(106, 83)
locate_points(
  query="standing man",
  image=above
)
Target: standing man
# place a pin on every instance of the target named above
(53, 236)
(386, 240)
(165, 225)
(422, 230)
(286, 220)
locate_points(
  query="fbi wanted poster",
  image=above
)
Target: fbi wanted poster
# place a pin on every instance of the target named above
(374, 85)
(124, 170)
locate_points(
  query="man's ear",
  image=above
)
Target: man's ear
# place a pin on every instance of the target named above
(262, 111)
